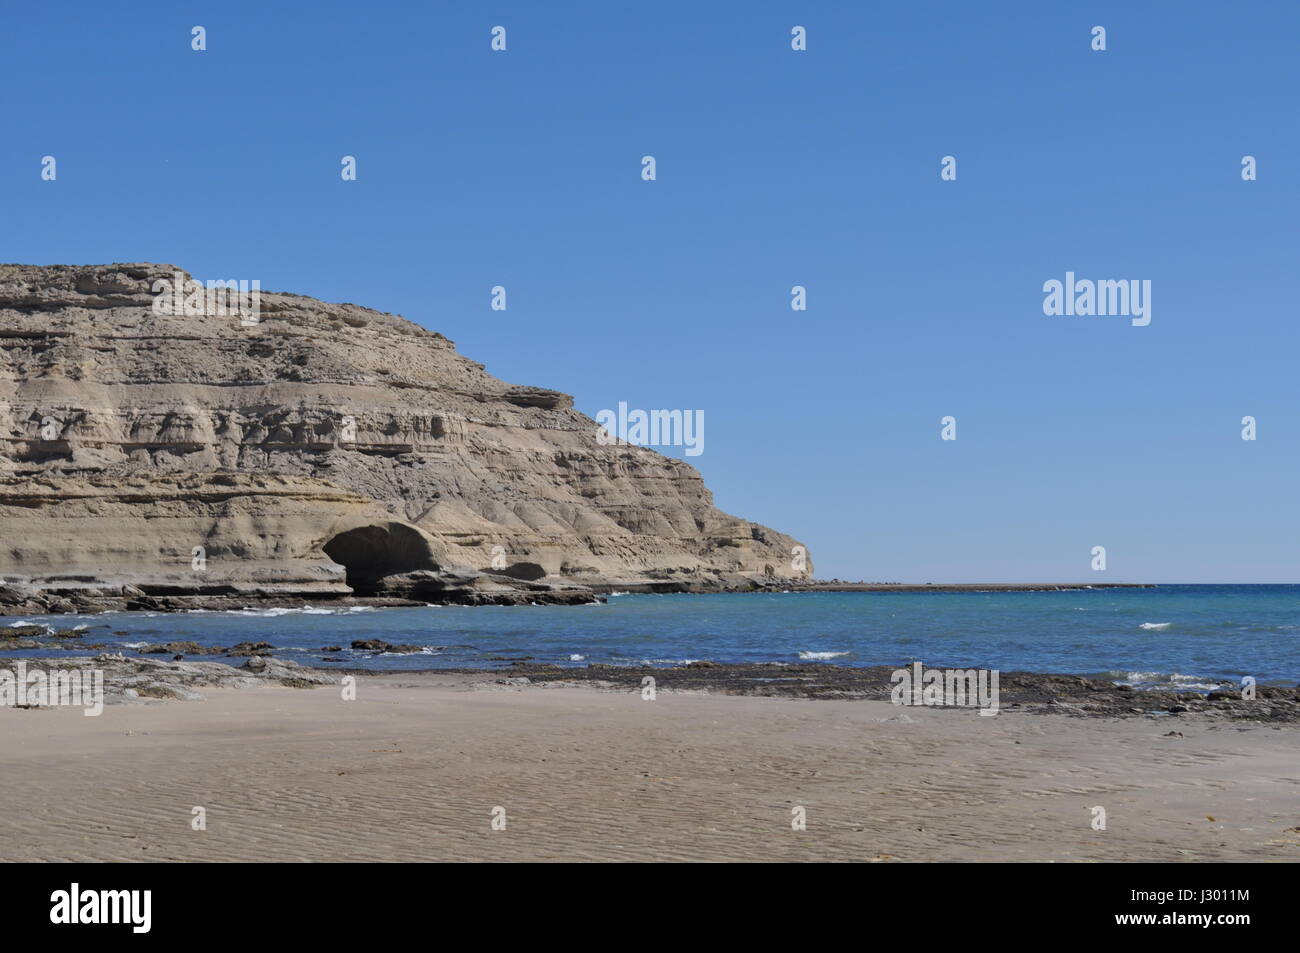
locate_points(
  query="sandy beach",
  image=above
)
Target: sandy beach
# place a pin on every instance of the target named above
(414, 767)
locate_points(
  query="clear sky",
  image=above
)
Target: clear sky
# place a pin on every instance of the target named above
(775, 168)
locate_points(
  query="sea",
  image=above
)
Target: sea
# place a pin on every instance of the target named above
(1180, 636)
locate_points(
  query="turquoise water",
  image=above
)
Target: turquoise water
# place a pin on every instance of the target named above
(1185, 635)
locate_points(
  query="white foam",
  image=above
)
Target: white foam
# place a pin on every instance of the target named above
(575, 657)
(1173, 681)
(818, 656)
(1157, 626)
(276, 611)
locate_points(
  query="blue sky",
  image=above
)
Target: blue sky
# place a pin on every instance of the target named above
(775, 168)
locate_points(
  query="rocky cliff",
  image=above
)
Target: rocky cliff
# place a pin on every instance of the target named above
(315, 451)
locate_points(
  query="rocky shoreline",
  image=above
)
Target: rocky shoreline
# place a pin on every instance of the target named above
(422, 588)
(40, 637)
(130, 678)
(1035, 692)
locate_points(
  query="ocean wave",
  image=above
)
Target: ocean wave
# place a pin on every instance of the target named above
(575, 657)
(276, 611)
(821, 656)
(1172, 681)
(1155, 626)
(424, 650)
(652, 662)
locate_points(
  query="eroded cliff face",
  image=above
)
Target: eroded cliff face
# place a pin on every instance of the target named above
(321, 450)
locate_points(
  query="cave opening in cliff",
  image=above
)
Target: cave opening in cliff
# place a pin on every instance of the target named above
(369, 553)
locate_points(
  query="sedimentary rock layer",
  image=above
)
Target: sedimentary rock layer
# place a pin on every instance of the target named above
(320, 449)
